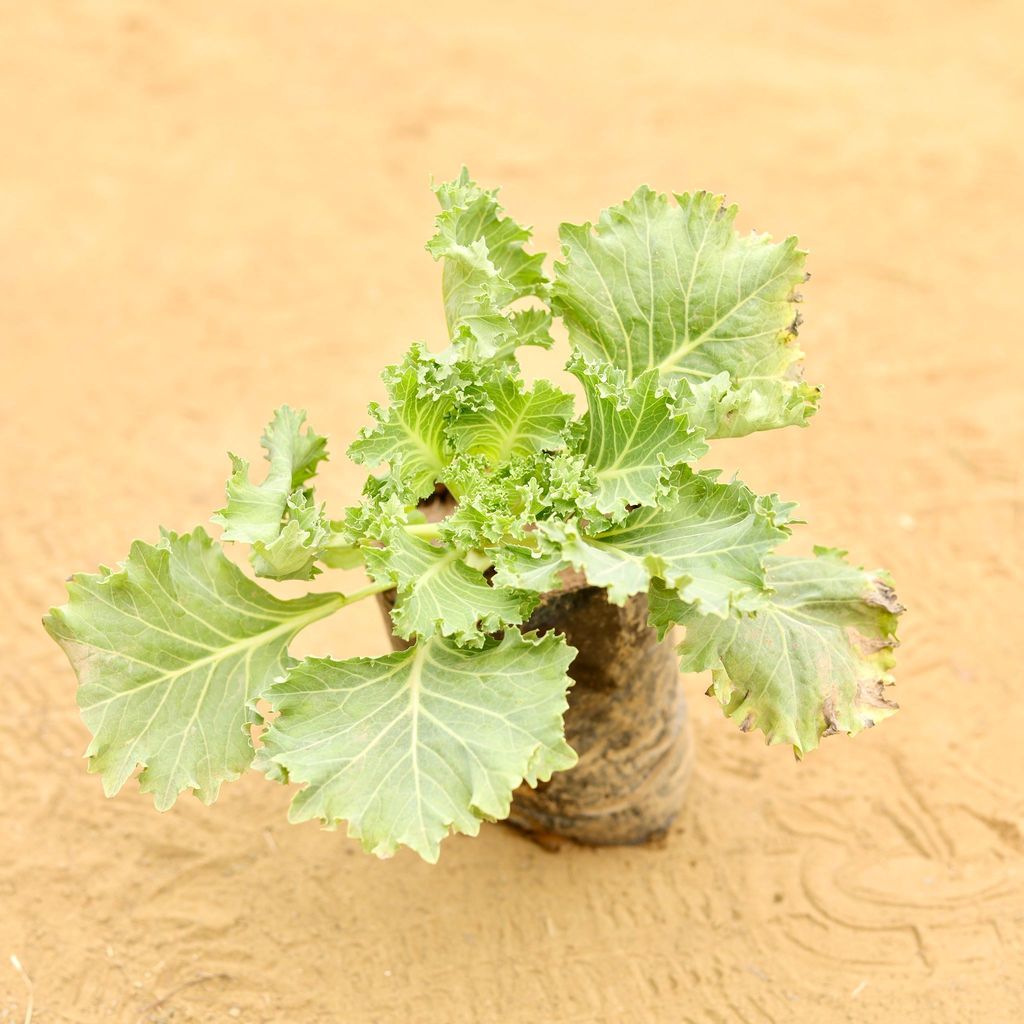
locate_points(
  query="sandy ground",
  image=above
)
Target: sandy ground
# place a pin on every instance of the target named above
(208, 209)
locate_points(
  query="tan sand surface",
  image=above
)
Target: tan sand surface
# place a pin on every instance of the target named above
(210, 208)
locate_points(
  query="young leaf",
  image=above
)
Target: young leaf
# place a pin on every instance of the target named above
(254, 511)
(293, 553)
(812, 662)
(531, 327)
(533, 569)
(439, 593)
(631, 437)
(501, 506)
(410, 433)
(414, 745)
(171, 651)
(485, 269)
(470, 214)
(517, 421)
(386, 503)
(721, 409)
(675, 288)
(709, 545)
(491, 506)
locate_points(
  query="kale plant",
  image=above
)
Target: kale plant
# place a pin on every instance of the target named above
(682, 331)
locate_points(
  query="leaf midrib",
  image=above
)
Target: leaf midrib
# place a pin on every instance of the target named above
(256, 640)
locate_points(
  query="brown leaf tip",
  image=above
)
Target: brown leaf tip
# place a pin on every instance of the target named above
(829, 712)
(872, 694)
(882, 595)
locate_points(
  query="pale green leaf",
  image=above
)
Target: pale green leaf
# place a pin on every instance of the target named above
(524, 568)
(439, 593)
(472, 217)
(386, 503)
(709, 545)
(518, 421)
(470, 213)
(293, 553)
(340, 549)
(674, 287)
(410, 433)
(491, 505)
(418, 744)
(631, 437)
(814, 661)
(500, 505)
(720, 409)
(485, 269)
(171, 651)
(254, 511)
(531, 327)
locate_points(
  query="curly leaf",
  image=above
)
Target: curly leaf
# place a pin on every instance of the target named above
(412, 746)
(675, 288)
(439, 593)
(631, 437)
(471, 215)
(488, 508)
(812, 662)
(720, 409)
(171, 651)
(303, 539)
(534, 569)
(254, 511)
(278, 517)
(387, 502)
(500, 505)
(410, 432)
(485, 269)
(517, 421)
(531, 327)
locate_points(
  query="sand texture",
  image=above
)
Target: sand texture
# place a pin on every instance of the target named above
(208, 209)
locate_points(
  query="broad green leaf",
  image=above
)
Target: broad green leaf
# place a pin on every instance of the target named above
(415, 745)
(517, 422)
(171, 652)
(812, 662)
(709, 545)
(254, 511)
(631, 437)
(675, 288)
(439, 593)
(410, 433)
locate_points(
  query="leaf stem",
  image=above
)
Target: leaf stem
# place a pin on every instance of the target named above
(428, 530)
(368, 591)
